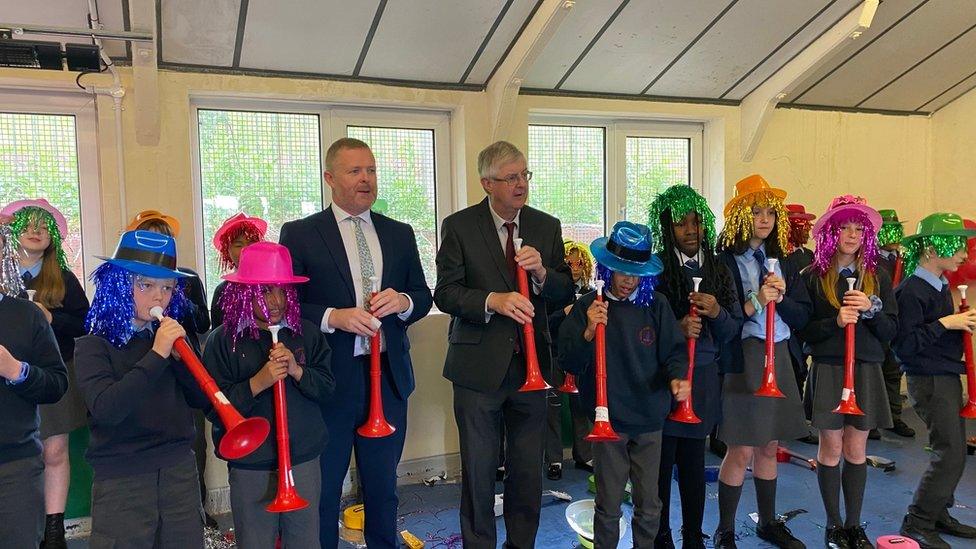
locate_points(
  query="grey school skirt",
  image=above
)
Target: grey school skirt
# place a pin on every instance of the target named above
(824, 391)
(750, 420)
(67, 414)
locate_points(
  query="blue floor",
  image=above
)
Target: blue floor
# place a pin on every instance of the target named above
(431, 512)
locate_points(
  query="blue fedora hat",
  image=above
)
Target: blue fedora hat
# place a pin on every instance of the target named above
(627, 250)
(148, 254)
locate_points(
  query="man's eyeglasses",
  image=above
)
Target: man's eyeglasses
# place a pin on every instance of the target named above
(514, 178)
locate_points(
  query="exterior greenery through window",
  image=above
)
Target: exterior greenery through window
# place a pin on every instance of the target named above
(39, 159)
(653, 164)
(262, 163)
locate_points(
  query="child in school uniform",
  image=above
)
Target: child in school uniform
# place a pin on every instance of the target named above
(755, 229)
(929, 346)
(846, 247)
(145, 491)
(40, 228)
(683, 227)
(235, 233)
(646, 365)
(31, 373)
(246, 364)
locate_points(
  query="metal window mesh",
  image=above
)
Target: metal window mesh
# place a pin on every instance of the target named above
(406, 181)
(568, 167)
(653, 164)
(264, 164)
(39, 159)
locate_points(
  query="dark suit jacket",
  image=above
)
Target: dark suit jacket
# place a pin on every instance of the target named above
(795, 310)
(317, 252)
(470, 265)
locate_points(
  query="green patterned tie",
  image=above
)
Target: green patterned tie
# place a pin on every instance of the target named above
(365, 266)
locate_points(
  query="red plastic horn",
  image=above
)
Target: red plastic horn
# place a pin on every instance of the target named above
(899, 267)
(785, 455)
(769, 388)
(533, 374)
(376, 425)
(848, 400)
(242, 436)
(685, 413)
(969, 410)
(569, 385)
(602, 429)
(287, 498)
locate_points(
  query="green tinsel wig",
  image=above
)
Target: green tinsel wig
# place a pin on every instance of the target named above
(890, 233)
(944, 245)
(32, 216)
(738, 222)
(681, 200)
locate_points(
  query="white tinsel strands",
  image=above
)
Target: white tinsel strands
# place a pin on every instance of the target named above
(215, 539)
(10, 281)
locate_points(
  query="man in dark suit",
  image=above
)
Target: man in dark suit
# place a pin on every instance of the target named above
(476, 284)
(340, 249)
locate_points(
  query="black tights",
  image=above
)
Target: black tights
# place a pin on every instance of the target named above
(689, 455)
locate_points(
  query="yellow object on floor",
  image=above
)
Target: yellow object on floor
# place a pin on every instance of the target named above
(412, 541)
(352, 517)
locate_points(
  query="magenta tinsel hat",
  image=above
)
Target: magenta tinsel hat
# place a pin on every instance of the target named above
(59, 220)
(237, 220)
(265, 263)
(847, 204)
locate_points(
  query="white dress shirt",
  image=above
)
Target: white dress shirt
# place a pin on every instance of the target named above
(503, 240)
(347, 230)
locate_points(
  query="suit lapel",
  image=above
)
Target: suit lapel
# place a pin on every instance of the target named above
(487, 225)
(329, 231)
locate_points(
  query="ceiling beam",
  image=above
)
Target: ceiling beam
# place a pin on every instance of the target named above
(144, 74)
(758, 106)
(503, 87)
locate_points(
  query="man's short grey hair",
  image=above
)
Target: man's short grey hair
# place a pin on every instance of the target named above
(496, 154)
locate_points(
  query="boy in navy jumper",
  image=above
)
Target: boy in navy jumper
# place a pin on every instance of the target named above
(245, 363)
(31, 373)
(145, 492)
(646, 365)
(929, 346)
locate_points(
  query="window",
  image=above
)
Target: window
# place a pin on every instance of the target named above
(406, 183)
(592, 175)
(267, 159)
(262, 163)
(568, 174)
(48, 150)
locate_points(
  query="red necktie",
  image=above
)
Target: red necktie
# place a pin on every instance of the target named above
(510, 259)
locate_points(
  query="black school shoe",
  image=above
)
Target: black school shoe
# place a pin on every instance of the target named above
(54, 532)
(724, 539)
(663, 540)
(902, 429)
(779, 535)
(926, 537)
(585, 465)
(835, 537)
(693, 539)
(874, 434)
(555, 471)
(858, 538)
(948, 525)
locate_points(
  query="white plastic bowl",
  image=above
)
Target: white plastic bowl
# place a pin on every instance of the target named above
(579, 515)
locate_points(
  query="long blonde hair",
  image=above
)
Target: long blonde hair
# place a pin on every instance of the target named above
(867, 283)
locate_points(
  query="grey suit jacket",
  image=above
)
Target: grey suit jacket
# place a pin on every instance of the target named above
(470, 265)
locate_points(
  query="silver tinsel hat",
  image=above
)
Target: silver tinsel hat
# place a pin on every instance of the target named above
(10, 281)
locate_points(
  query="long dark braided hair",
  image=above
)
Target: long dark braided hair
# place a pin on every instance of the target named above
(717, 280)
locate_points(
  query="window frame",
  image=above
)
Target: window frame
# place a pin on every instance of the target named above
(82, 108)
(616, 132)
(333, 119)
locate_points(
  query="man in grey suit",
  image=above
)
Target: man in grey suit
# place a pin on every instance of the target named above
(476, 284)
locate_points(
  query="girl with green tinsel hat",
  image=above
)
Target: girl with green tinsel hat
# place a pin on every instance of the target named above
(683, 227)
(40, 229)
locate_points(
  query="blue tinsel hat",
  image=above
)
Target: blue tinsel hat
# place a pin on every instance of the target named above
(148, 254)
(628, 250)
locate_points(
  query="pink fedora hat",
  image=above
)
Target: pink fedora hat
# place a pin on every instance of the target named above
(237, 220)
(265, 263)
(59, 220)
(848, 204)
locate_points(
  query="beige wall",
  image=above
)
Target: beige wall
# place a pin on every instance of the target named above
(813, 155)
(954, 157)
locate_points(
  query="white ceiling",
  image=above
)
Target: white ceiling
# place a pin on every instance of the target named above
(916, 57)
